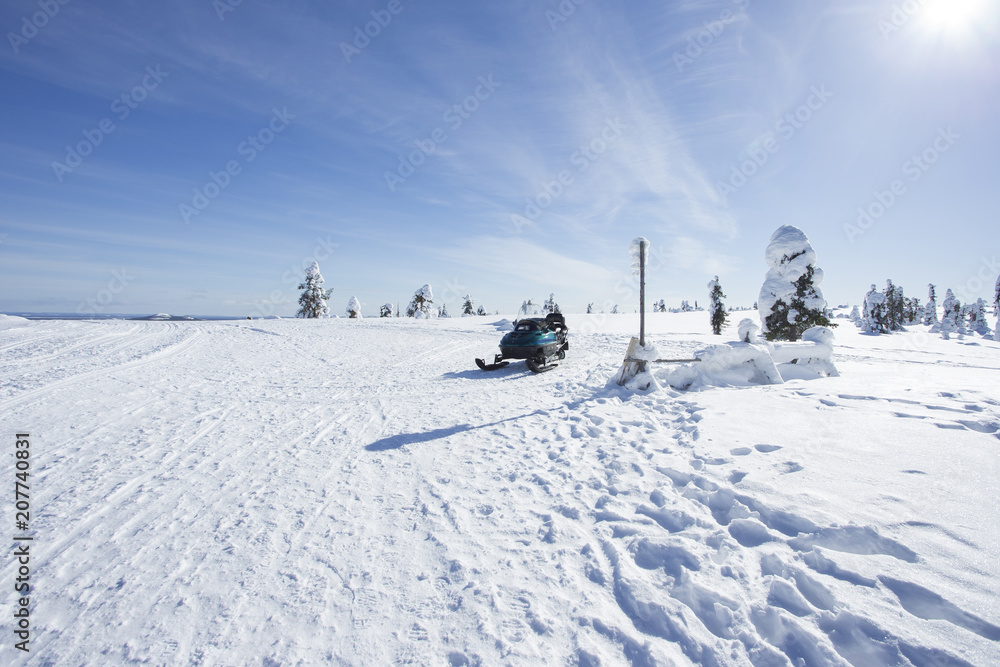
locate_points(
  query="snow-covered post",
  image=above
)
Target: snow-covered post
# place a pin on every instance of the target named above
(640, 253)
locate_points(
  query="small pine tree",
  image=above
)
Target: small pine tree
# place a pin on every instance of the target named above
(550, 305)
(930, 310)
(354, 308)
(420, 305)
(894, 306)
(443, 312)
(468, 308)
(385, 310)
(481, 311)
(717, 310)
(314, 297)
(590, 308)
(662, 306)
(614, 311)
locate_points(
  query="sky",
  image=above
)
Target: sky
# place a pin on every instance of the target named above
(193, 157)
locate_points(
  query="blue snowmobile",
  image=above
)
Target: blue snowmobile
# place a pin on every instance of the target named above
(537, 340)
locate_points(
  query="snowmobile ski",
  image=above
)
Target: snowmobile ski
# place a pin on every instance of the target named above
(497, 365)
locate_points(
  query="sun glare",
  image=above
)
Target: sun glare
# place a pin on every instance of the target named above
(951, 17)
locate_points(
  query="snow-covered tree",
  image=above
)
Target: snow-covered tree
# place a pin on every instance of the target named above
(468, 308)
(421, 304)
(996, 309)
(717, 310)
(790, 299)
(481, 311)
(590, 308)
(855, 317)
(875, 319)
(949, 317)
(930, 310)
(550, 305)
(313, 300)
(614, 311)
(894, 306)
(385, 310)
(354, 308)
(686, 307)
(443, 311)
(976, 316)
(660, 306)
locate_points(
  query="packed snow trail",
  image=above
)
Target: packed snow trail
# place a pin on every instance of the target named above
(356, 492)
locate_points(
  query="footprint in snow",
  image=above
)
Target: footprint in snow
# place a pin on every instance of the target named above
(767, 449)
(791, 466)
(740, 451)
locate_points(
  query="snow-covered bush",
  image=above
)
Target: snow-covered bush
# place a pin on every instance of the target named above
(748, 331)
(481, 311)
(717, 310)
(930, 310)
(422, 303)
(950, 315)
(313, 300)
(385, 310)
(354, 308)
(790, 300)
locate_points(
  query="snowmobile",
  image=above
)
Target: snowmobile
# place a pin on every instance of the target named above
(537, 340)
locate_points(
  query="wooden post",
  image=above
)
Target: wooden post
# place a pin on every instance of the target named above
(642, 293)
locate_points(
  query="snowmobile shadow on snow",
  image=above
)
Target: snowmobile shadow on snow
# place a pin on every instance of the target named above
(402, 439)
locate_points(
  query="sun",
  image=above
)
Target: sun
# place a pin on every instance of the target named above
(951, 17)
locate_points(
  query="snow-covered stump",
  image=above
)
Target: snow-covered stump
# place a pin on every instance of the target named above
(634, 372)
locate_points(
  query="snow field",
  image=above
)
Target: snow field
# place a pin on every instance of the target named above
(357, 492)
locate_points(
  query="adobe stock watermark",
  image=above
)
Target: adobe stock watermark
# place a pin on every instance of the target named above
(914, 168)
(381, 18)
(562, 12)
(582, 158)
(900, 16)
(122, 106)
(293, 276)
(248, 149)
(31, 25)
(223, 7)
(985, 277)
(96, 304)
(709, 33)
(454, 116)
(767, 145)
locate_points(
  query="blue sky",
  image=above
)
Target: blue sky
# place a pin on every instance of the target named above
(507, 150)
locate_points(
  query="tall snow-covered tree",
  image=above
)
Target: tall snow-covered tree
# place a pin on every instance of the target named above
(876, 318)
(550, 305)
(421, 304)
(952, 309)
(996, 310)
(313, 300)
(717, 310)
(930, 310)
(468, 308)
(790, 299)
(354, 308)
(894, 306)
(385, 310)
